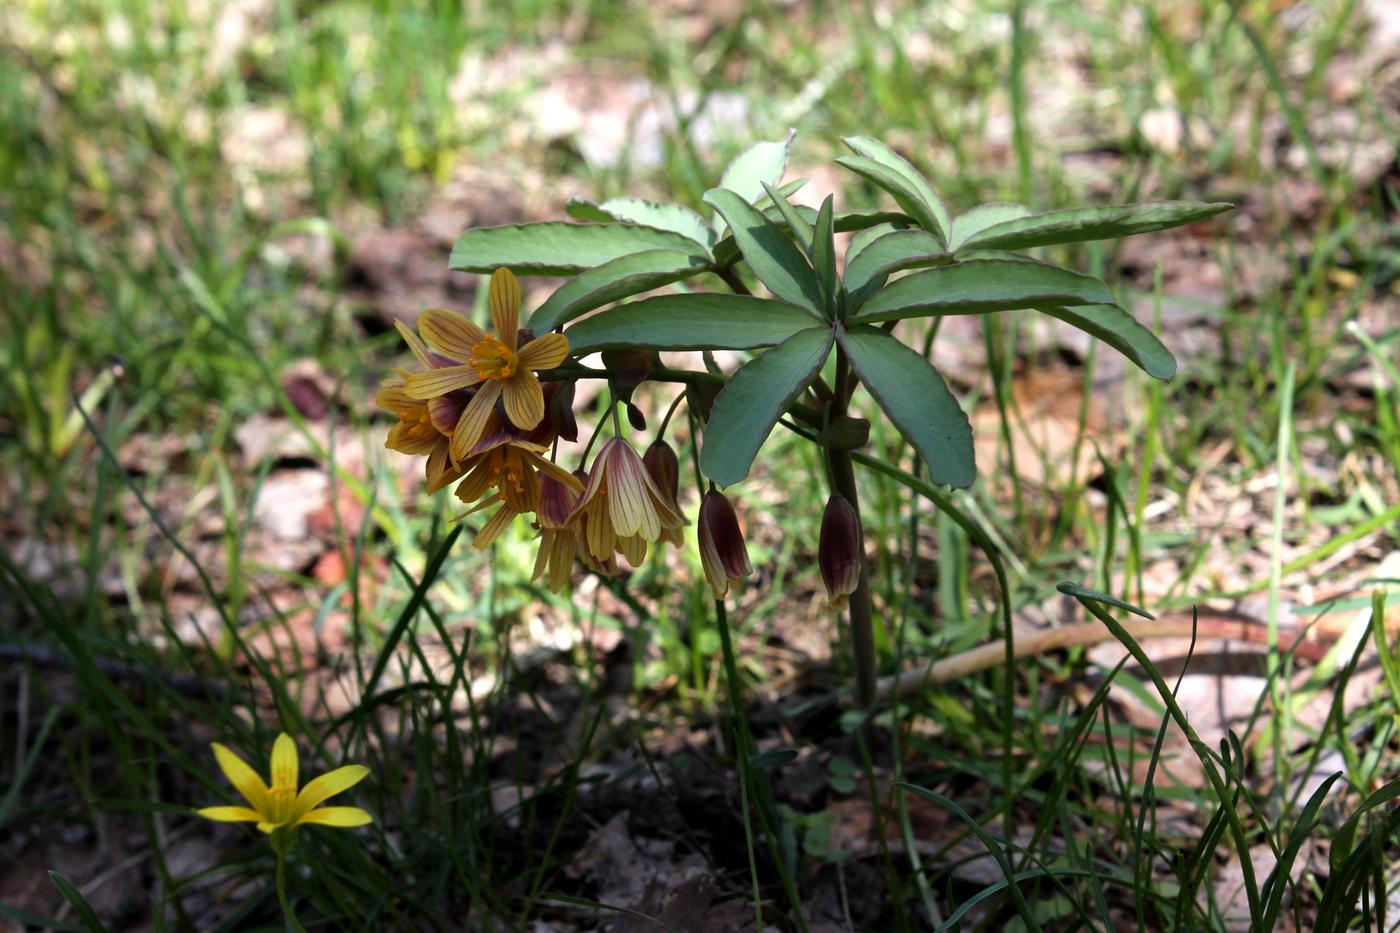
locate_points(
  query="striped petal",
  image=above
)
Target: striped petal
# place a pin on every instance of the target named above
(492, 529)
(415, 344)
(284, 762)
(338, 816)
(473, 421)
(445, 411)
(319, 790)
(555, 471)
(629, 507)
(505, 306)
(634, 549)
(544, 352)
(450, 333)
(434, 382)
(243, 778)
(440, 472)
(230, 814)
(524, 400)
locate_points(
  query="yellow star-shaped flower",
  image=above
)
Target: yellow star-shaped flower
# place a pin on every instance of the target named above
(281, 804)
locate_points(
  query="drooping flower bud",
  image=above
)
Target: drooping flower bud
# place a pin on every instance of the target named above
(664, 468)
(839, 551)
(561, 410)
(723, 553)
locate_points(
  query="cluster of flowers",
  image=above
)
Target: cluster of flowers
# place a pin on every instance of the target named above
(480, 413)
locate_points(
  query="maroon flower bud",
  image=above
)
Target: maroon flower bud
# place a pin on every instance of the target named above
(840, 553)
(559, 403)
(665, 470)
(627, 369)
(723, 553)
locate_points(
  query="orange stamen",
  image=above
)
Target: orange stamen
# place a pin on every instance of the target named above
(493, 360)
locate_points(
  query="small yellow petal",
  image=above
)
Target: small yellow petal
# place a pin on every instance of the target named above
(284, 762)
(229, 814)
(544, 352)
(524, 400)
(473, 421)
(431, 383)
(243, 778)
(338, 816)
(505, 306)
(492, 529)
(415, 343)
(322, 788)
(450, 333)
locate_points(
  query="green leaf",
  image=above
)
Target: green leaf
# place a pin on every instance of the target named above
(559, 248)
(1092, 223)
(1121, 331)
(674, 217)
(699, 321)
(1079, 592)
(898, 187)
(915, 397)
(80, 904)
(800, 226)
(982, 285)
(787, 189)
(871, 148)
(769, 251)
(612, 281)
(750, 169)
(727, 253)
(752, 400)
(900, 249)
(980, 218)
(588, 211)
(823, 253)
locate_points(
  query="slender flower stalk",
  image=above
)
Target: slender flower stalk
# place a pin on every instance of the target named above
(497, 364)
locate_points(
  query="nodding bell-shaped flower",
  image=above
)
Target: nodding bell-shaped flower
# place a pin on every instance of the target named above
(665, 470)
(622, 509)
(839, 551)
(723, 553)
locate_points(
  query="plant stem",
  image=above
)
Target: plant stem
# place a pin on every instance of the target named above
(843, 482)
(293, 923)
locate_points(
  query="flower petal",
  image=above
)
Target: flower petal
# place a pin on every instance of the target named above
(230, 814)
(408, 439)
(544, 352)
(284, 762)
(492, 529)
(434, 382)
(440, 471)
(243, 778)
(338, 816)
(450, 333)
(524, 398)
(505, 306)
(392, 397)
(473, 421)
(629, 507)
(415, 343)
(445, 411)
(555, 471)
(318, 790)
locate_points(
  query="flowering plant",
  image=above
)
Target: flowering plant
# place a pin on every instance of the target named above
(820, 327)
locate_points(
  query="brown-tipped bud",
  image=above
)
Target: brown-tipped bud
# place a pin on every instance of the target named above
(636, 418)
(560, 405)
(627, 369)
(665, 469)
(839, 552)
(723, 553)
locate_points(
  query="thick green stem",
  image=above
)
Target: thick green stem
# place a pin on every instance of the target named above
(842, 474)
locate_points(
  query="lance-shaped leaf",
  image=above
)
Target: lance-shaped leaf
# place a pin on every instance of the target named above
(612, 281)
(559, 248)
(823, 253)
(980, 218)
(761, 164)
(769, 251)
(870, 148)
(675, 217)
(1121, 331)
(915, 397)
(900, 249)
(800, 226)
(982, 285)
(1091, 223)
(726, 253)
(752, 400)
(700, 321)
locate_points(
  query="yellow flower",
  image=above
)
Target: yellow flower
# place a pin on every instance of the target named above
(494, 362)
(513, 467)
(622, 509)
(281, 805)
(559, 540)
(424, 427)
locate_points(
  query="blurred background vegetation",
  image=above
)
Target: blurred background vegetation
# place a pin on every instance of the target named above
(210, 215)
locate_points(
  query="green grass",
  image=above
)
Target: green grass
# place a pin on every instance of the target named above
(157, 289)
